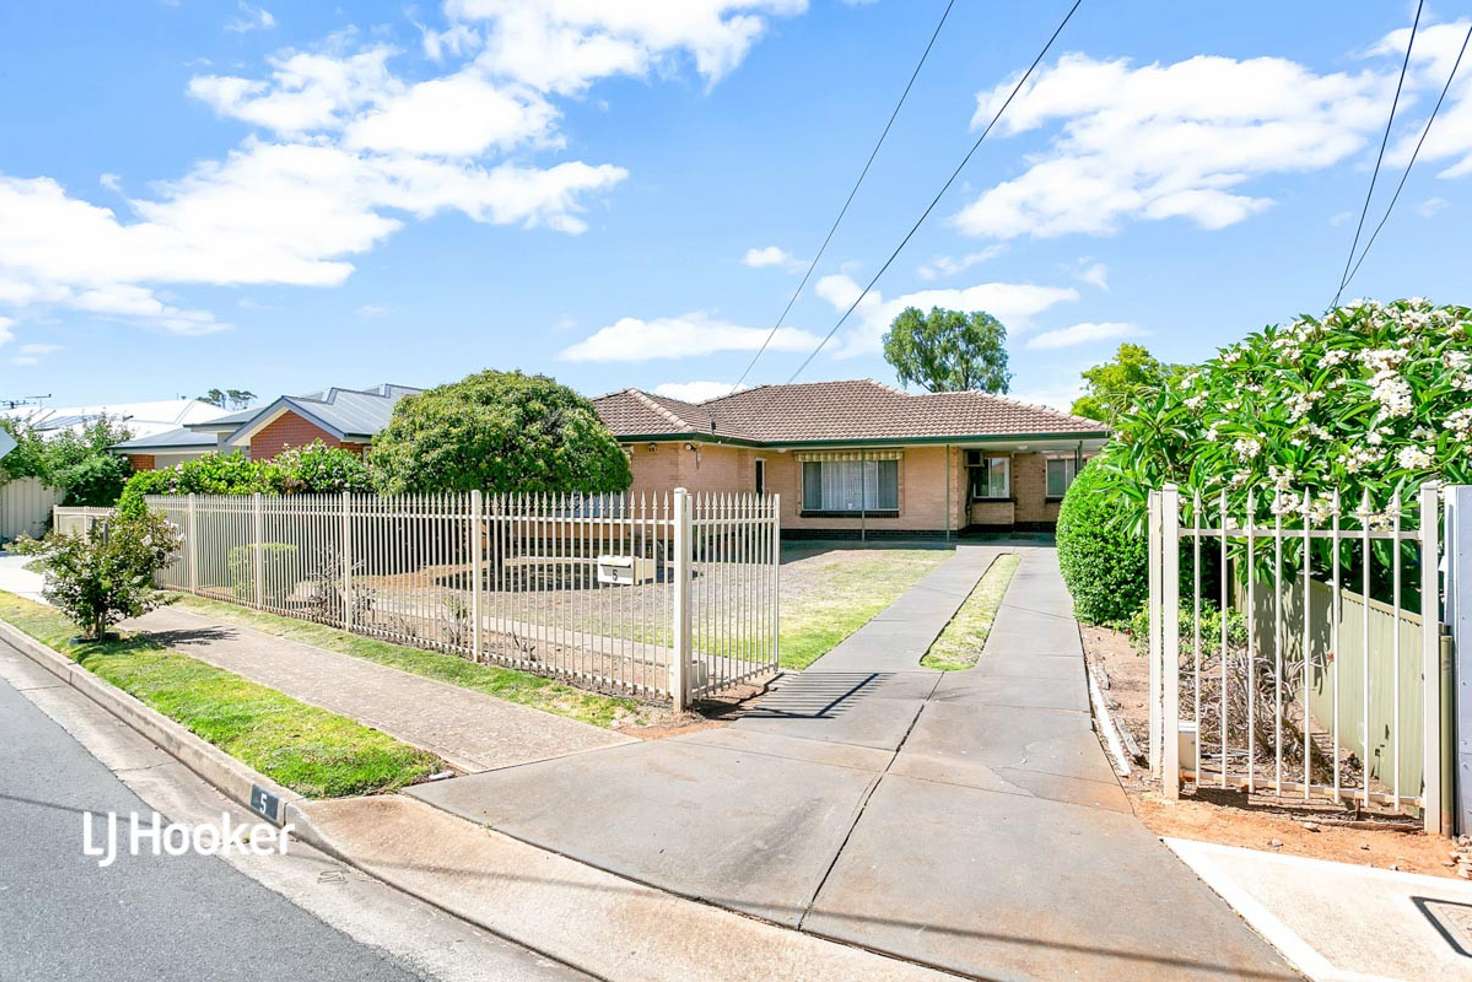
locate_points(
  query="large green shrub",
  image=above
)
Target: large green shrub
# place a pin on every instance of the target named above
(497, 431)
(106, 574)
(1102, 557)
(79, 464)
(313, 469)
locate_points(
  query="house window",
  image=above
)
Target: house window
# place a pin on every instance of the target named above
(851, 485)
(1061, 472)
(761, 476)
(991, 477)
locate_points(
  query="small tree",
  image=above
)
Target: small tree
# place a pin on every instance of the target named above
(948, 350)
(106, 574)
(497, 431)
(1115, 386)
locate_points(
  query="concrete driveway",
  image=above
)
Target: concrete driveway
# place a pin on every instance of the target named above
(965, 820)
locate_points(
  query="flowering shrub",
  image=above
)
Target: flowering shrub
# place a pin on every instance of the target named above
(1373, 399)
(106, 574)
(313, 469)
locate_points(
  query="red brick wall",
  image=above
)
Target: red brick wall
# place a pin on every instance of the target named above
(291, 430)
(142, 461)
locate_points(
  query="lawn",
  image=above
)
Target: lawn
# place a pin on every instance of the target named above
(829, 592)
(960, 644)
(510, 684)
(309, 750)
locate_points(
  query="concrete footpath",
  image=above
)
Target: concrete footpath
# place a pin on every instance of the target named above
(472, 732)
(967, 820)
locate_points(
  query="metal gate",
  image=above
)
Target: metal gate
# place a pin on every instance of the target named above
(1296, 647)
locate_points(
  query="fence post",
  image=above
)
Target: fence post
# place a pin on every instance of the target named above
(191, 555)
(1152, 536)
(1170, 641)
(1459, 616)
(1431, 659)
(680, 655)
(776, 506)
(258, 546)
(347, 561)
(477, 560)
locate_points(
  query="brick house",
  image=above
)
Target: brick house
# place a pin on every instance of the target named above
(346, 418)
(860, 457)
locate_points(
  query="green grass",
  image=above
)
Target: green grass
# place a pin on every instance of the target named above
(844, 594)
(959, 645)
(509, 684)
(309, 750)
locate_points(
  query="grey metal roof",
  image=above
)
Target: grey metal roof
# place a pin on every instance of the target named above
(179, 439)
(348, 414)
(226, 422)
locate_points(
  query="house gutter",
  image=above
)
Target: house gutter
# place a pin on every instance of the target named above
(990, 438)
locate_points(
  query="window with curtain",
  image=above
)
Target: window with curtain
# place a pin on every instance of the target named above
(1061, 472)
(991, 477)
(851, 485)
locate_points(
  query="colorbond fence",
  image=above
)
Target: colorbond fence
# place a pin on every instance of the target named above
(1325, 693)
(673, 596)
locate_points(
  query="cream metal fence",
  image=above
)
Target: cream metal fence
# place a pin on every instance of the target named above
(671, 596)
(25, 504)
(1324, 693)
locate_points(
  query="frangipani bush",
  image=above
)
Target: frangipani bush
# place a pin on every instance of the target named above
(1373, 398)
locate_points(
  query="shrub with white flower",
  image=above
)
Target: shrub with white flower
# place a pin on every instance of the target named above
(1372, 397)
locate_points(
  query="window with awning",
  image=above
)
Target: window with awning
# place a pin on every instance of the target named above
(850, 481)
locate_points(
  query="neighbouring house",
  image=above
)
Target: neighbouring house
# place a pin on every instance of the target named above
(338, 417)
(859, 457)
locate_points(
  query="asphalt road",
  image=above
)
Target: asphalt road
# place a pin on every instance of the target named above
(188, 917)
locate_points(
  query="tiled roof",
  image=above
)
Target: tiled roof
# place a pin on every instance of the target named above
(858, 409)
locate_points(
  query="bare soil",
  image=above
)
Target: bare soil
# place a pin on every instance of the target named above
(1320, 830)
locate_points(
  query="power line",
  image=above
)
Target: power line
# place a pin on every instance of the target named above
(944, 188)
(1384, 141)
(1407, 173)
(855, 190)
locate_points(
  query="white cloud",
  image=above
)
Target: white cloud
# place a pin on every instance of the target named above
(1431, 206)
(110, 181)
(39, 349)
(685, 336)
(251, 19)
(941, 266)
(772, 256)
(460, 115)
(306, 91)
(1014, 304)
(1085, 333)
(1432, 57)
(1060, 397)
(564, 45)
(372, 310)
(1167, 141)
(1095, 274)
(6, 334)
(696, 391)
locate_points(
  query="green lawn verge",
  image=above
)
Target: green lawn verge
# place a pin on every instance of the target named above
(959, 645)
(510, 684)
(309, 750)
(844, 593)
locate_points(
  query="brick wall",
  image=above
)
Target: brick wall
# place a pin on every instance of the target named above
(142, 461)
(291, 430)
(1030, 488)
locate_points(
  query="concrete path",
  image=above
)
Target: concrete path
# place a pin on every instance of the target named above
(963, 820)
(15, 578)
(471, 731)
(897, 638)
(1341, 921)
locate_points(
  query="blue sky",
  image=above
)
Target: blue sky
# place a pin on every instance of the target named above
(284, 196)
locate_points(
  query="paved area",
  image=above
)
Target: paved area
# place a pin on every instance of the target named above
(964, 820)
(1340, 921)
(15, 578)
(471, 731)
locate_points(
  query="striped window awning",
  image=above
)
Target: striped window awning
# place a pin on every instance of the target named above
(808, 456)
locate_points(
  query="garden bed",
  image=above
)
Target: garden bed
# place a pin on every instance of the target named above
(1319, 830)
